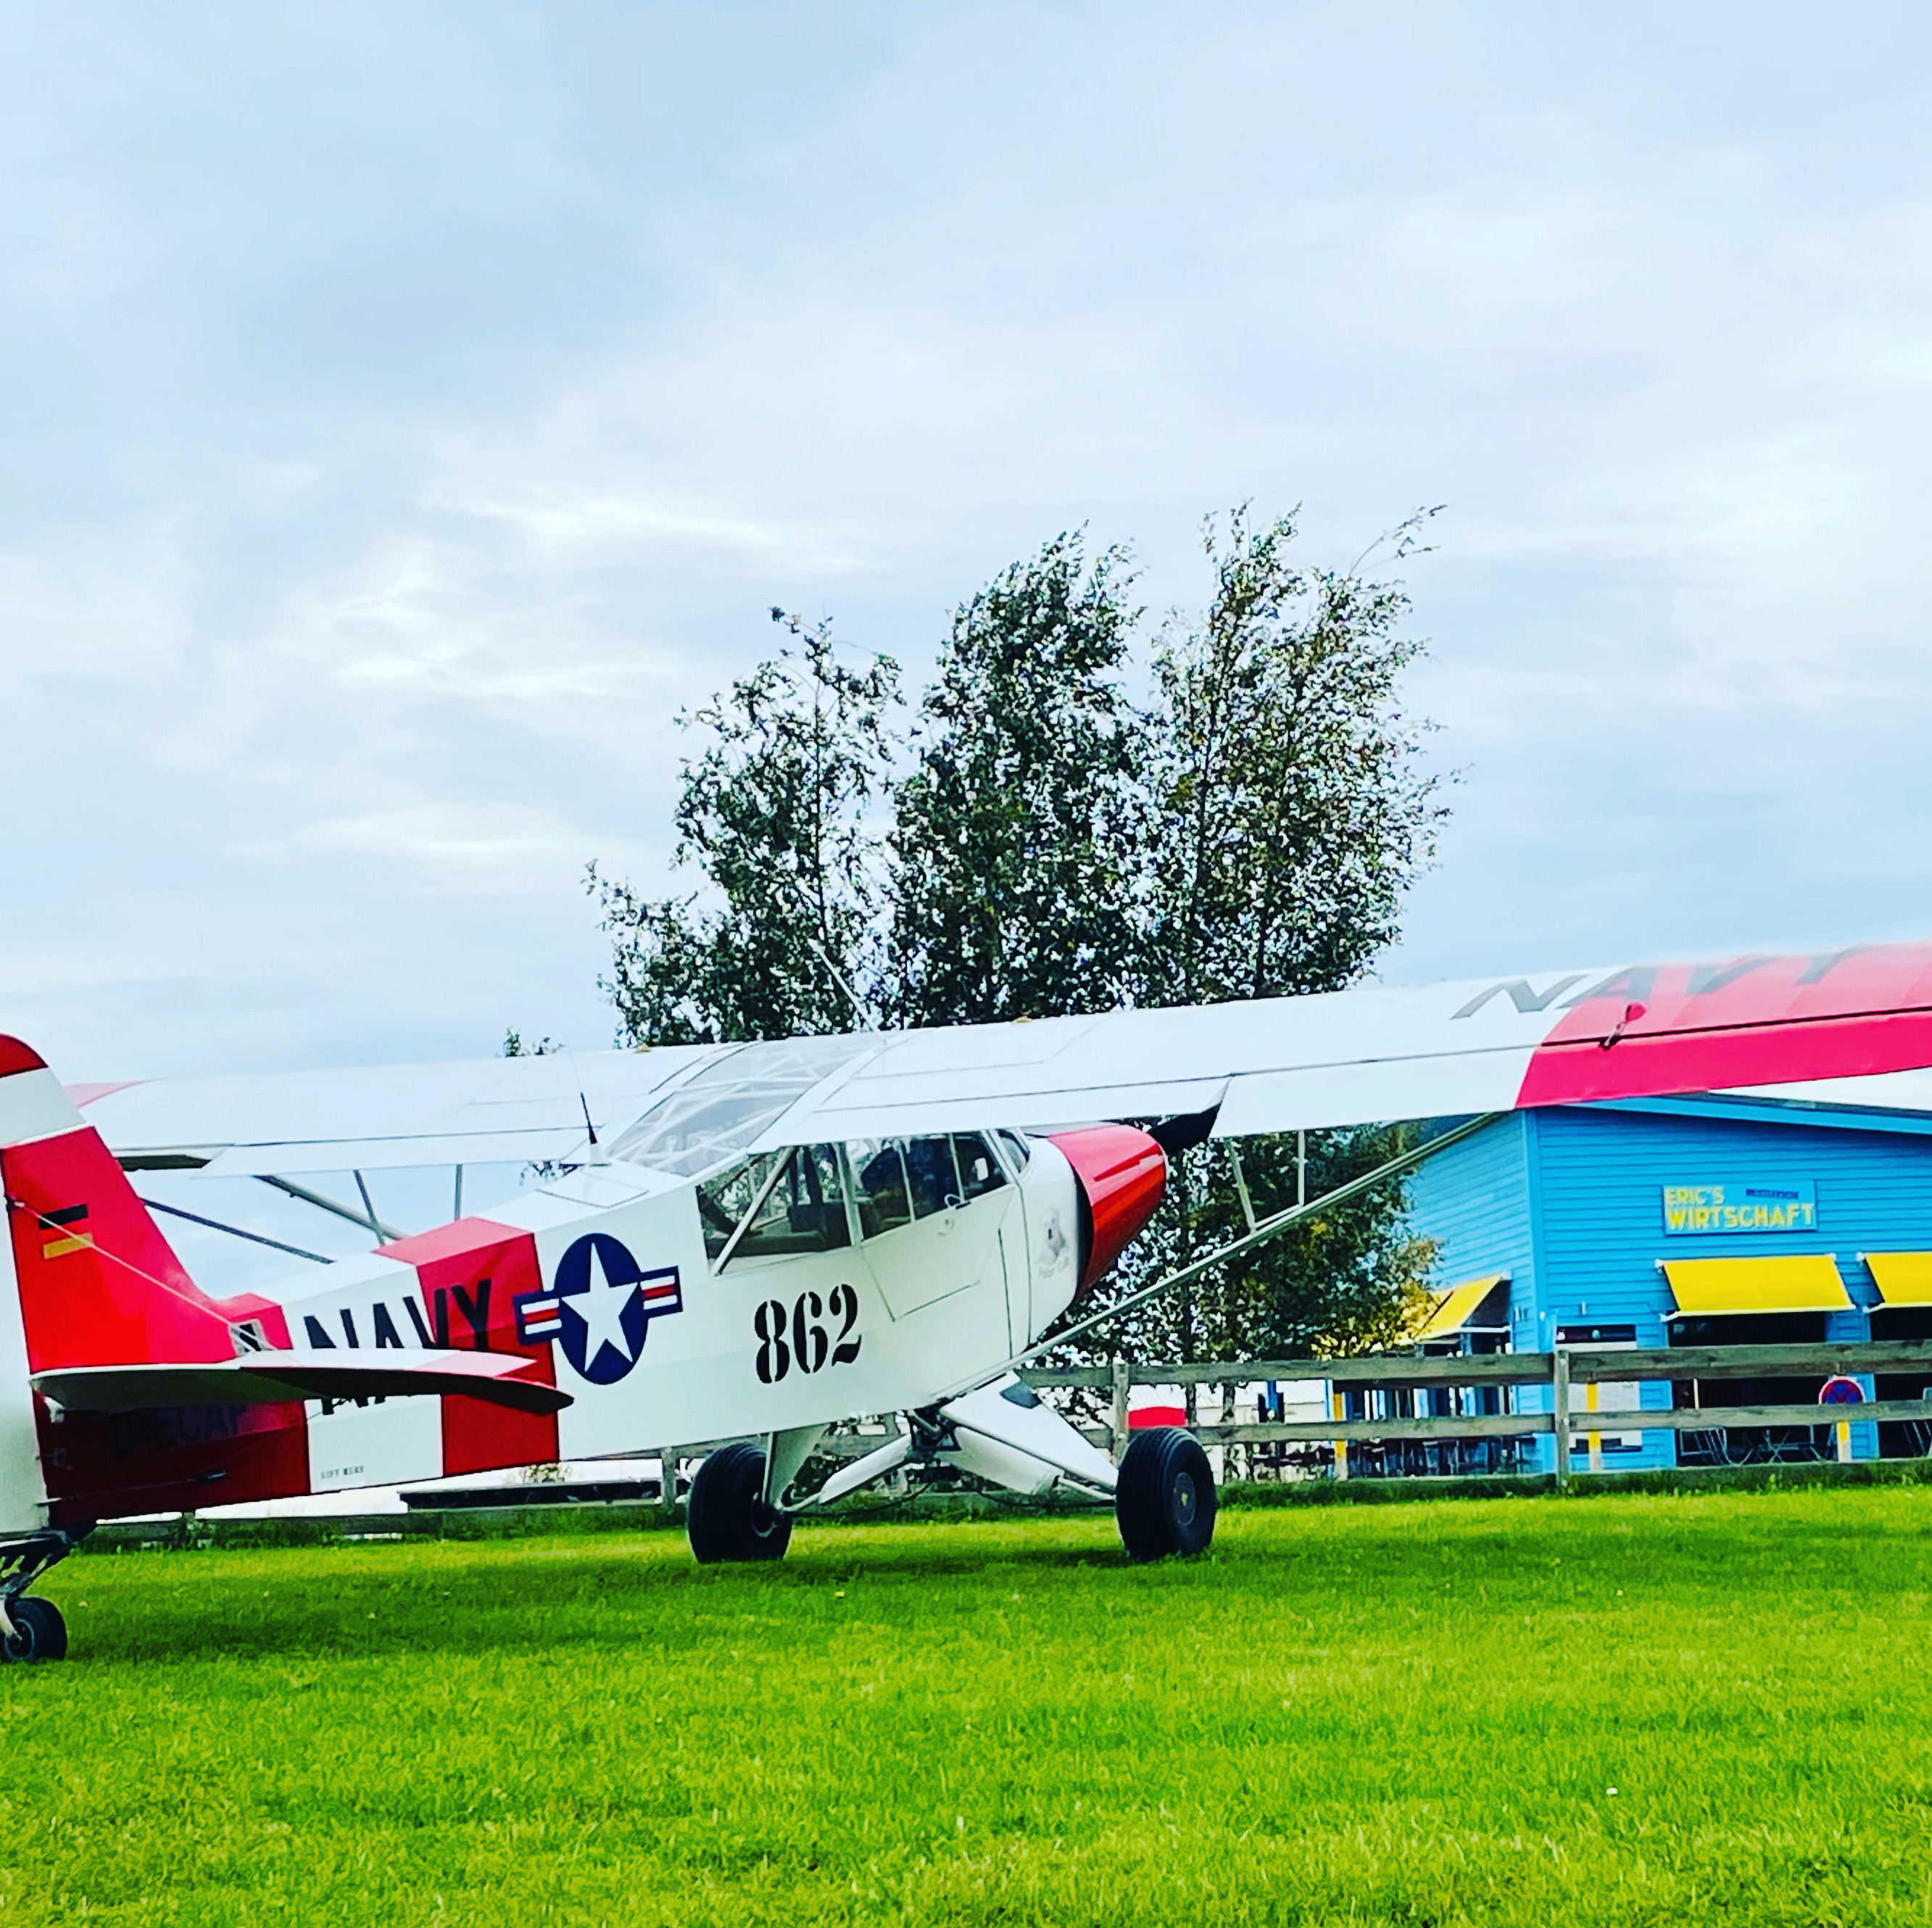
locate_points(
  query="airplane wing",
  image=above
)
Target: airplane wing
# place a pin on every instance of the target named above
(1778, 1021)
(473, 1111)
(1366, 1056)
(273, 1378)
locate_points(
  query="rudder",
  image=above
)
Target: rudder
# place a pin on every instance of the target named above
(86, 1278)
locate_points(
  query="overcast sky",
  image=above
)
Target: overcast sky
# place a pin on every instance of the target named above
(409, 408)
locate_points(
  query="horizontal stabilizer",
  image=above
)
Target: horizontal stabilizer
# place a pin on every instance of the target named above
(272, 1379)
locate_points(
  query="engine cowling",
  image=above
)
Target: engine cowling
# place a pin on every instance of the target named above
(1120, 1174)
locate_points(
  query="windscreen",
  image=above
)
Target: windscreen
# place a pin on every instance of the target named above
(726, 1107)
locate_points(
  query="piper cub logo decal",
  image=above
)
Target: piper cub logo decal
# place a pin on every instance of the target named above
(599, 1307)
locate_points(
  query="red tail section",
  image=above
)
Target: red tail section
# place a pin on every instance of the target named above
(99, 1285)
(88, 1279)
(94, 1282)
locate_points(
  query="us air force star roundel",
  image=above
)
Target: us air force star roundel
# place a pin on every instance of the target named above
(599, 1307)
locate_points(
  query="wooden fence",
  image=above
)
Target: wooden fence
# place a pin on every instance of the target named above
(1569, 1374)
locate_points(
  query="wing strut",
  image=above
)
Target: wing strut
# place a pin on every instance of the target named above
(236, 1231)
(323, 1202)
(1267, 1229)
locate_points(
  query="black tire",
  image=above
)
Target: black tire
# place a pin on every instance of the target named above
(40, 1633)
(725, 1518)
(1164, 1500)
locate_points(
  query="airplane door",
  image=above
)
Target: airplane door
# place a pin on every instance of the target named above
(995, 1214)
(934, 1214)
(1013, 1244)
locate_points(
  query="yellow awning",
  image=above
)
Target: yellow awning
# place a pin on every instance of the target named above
(1457, 1307)
(1809, 1283)
(1902, 1277)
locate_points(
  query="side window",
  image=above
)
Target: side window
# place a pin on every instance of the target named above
(979, 1171)
(878, 1171)
(1018, 1152)
(819, 1206)
(723, 1200)
(804, 1212)
(935, 1184)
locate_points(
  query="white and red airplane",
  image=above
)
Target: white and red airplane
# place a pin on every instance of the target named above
(754, 1242)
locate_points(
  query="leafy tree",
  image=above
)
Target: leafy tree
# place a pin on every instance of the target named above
(1351, 1279)
(1047, 847)
(1017, 836)
(1291, 817)
(773, 814)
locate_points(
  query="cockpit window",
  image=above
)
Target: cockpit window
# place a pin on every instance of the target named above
(1017, 1149)
(878, 1171)
(979, 1171)
(934, 1181)
(804, 1212)
(723, 1200)
(728, 1105)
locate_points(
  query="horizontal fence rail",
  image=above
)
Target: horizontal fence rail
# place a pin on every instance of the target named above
(1585, 1362)
(1563, 1372)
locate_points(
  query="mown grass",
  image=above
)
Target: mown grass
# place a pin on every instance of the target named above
(1403, 1713)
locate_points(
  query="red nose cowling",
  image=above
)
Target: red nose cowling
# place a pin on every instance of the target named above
(1122, 1174)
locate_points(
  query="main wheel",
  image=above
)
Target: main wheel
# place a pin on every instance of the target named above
(39, 1633)
(1164, 1500)
(726, 1517)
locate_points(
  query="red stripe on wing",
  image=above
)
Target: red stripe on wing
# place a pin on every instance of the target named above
(1654, 1030)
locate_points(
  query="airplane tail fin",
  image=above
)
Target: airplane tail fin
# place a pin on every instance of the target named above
(97, 1282)
(87, 1278)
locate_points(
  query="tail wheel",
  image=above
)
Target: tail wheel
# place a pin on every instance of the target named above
(1164, 1501)
(726, 1517)
(39, 1632)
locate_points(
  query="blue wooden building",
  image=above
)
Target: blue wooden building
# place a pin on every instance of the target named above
(1705, 1221)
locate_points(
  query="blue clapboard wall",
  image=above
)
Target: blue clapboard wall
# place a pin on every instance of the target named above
(1569, 1201)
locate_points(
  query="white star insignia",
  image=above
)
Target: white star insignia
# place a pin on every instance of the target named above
(601, 1305)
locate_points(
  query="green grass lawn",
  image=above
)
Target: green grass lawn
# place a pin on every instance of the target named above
(1625, 1710)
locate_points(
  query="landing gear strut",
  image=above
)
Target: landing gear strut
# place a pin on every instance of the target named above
(1164, 1500)
(32, 1629)
(726, 1518)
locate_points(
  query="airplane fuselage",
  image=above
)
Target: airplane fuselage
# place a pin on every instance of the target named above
(665, 1331)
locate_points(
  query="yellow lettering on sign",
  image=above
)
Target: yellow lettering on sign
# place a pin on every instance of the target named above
(1693, 1194)
(1758, 1208)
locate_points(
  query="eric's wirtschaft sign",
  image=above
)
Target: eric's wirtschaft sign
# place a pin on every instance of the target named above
(1733, 1207)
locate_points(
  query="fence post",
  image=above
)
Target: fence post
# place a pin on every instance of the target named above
(667, 1481)
(1120, 1372)
(1340, 1402)
(1559, 1406)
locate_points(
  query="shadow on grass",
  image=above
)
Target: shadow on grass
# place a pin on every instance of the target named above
(531, 1596)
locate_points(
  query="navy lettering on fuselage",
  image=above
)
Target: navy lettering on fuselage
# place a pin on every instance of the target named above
(473, 1303)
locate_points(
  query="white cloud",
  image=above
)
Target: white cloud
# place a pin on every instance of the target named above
(412, 412)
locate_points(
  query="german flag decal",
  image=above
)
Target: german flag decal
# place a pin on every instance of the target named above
(58, 1236)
